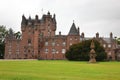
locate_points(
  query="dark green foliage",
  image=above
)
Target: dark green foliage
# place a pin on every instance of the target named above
(3, 33)
(2, 49)
(118, 41)
(80, 51)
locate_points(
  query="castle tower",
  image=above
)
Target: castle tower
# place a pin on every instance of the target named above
(48, 25)
(33, 33)
(73, 36)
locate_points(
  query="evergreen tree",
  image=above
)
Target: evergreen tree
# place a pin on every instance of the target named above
(80, 51)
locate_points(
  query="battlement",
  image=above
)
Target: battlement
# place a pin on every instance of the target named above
(45, 18)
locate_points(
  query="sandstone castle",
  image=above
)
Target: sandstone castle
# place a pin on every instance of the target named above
(39, 41)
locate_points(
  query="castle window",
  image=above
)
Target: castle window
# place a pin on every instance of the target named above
(75, 38)
(104, 45)
(64, 43)
(10, 45)
(57, 51)
(17, 52)
(109, 45)
(53, 51)
(70, 44)
(57, 44)
(46, 43)
(29, 41)
(63, 51)
(53, 43)
(70, 38)
(46, 50)
(48, 33)
(28, 51)
(49, 24)
(9, 52)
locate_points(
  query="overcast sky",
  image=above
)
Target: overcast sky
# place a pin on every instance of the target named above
(91, 16)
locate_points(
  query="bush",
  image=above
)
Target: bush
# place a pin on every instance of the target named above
(80, 51)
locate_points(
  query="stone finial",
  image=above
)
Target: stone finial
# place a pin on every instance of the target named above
(60, 33)
(111, 35)
(92, 46)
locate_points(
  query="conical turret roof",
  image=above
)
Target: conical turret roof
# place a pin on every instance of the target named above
(73, 30)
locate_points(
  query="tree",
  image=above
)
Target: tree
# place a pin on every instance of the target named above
(118, 41)
(17, 35)
(3, 33)
(80, 51)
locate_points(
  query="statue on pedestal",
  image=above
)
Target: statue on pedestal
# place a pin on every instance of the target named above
(92, 53)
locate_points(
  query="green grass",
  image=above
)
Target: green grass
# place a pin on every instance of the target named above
(58, 70)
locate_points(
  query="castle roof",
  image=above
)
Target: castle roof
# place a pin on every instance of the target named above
(73, 30)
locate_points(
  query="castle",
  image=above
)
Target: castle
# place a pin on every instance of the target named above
(39, 41)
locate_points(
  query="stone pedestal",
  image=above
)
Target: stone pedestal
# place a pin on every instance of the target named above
(92, 53)
(92, 61)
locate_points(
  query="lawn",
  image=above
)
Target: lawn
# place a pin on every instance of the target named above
(58, 70)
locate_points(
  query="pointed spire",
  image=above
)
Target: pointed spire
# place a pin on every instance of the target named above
(29, 20)
(73, 30)
(54, 18)
(23, 20)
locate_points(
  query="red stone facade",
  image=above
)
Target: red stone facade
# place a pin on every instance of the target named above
(39, 40)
